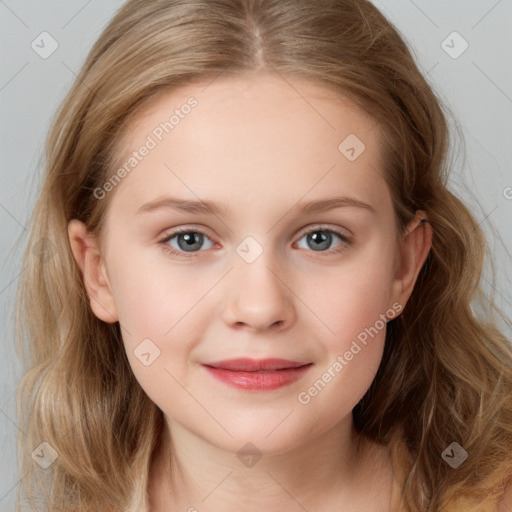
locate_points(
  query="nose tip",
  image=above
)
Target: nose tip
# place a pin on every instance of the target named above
(259, 300)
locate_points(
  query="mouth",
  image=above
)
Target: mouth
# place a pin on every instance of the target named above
(258, 375)
(255, 365)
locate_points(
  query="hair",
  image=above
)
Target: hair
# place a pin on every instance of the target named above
(445, 376)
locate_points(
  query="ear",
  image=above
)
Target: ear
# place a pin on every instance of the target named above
(87, 255)
(411, 255)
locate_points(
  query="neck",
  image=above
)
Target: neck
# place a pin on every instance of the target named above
(204, 477)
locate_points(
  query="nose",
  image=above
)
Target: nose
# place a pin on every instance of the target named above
(259, 298)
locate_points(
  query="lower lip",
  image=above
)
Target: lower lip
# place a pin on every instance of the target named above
(261, 381)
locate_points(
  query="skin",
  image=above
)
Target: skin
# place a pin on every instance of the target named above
(256, 146)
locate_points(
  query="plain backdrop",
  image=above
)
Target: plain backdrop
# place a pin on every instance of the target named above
(462, 46)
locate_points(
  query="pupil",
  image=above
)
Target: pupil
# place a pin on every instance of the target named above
(190, 240)
(322, 238)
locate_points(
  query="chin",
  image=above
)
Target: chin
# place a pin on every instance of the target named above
(264, 439)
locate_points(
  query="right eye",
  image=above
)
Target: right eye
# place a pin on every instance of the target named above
(186, 241)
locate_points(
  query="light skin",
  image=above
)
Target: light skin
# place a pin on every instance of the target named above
(255, 146)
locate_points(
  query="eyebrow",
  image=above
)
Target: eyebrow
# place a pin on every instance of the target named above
(212, 208)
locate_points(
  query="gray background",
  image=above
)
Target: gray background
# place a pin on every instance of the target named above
(477, 86)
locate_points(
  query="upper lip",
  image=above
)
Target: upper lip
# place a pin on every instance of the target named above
(254, 365)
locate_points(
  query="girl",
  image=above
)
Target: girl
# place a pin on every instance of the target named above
(256, 290)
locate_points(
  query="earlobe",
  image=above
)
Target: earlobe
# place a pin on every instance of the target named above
(88, 258)
(411, 255)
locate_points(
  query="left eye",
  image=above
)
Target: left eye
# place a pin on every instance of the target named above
(321, 239)
(190, 241)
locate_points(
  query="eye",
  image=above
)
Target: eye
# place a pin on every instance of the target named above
(187, 240)
(321, 238)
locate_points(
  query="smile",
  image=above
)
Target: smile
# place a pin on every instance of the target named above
(258, 375)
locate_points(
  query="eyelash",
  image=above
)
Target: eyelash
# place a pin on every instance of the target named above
(346, 241)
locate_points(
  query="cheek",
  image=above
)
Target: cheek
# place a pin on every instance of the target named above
(351, 349)
(353, 303)
(152, 294)
(148, 304)
(354, 297)
(158, 328)
(164, 309)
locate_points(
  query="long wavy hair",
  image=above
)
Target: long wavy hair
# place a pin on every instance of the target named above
(446, 373)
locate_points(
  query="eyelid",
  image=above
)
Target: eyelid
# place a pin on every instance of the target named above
(325, 227)
(169, 233)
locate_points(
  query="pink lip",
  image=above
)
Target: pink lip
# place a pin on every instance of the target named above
(263, 374)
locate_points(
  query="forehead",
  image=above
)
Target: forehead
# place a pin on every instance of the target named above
(263, 96)
(251, 135)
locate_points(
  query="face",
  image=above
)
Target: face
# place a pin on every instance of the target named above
(296, 258)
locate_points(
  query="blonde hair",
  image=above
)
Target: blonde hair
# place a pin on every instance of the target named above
(445, 376)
